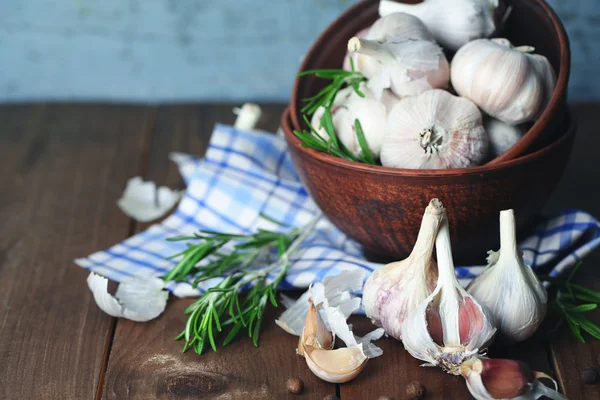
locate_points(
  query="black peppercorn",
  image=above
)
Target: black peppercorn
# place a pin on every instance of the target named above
(590, 376)
(415, 391)
(295, 385)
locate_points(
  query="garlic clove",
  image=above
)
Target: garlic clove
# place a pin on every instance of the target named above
(449, 326)
(508, 277)
(502, 136)
(489, 379)
(391, 292)
(336, 366)
(434, 130)
(505, 81)
(315, 333)
(407, 67)
(452, 23)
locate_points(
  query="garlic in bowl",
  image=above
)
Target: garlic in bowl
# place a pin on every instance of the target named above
(382, 208)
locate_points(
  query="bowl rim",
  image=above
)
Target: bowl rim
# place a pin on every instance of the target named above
(293, 140)
(530, 136)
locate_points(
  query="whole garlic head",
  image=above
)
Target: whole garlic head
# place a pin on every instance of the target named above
(489, 379)
(452, 23)
(502, 136)
(506, 82)
(449, 326)
(509, 288)
(372, 112)
(394, 290)
(434, 130)
(407, 67)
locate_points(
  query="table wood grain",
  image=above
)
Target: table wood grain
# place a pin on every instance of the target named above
(64, 166)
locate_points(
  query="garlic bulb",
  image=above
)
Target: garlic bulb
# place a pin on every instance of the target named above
(369, 110)
(502, 136)
(394, 290)
(449, 326)
(396, 27)
(509, 288)
(407, 67)
(434, 130)
(489, 379)
(506, 82)
(452, 23)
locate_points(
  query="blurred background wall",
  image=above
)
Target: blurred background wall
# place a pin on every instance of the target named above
(195, 50)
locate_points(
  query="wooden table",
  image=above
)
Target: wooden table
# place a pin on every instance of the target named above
(63, 167)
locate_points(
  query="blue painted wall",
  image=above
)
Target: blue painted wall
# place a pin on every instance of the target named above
(194, 50)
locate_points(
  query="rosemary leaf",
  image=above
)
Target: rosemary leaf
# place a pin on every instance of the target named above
(362, 142)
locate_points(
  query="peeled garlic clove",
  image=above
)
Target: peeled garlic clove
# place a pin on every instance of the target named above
(489, 379)
(336, 366)
(315, 333)
(502, 136)
(407, 67)
(449, 326)
(434, 130)
(509, 288)
(394, 290)
(452, 23)
(506, 82)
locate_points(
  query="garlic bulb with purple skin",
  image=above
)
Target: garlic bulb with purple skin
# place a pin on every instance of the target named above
(509, 288)
(509, 83)
(434, 130)
(394, 290)
(452, 23)
(449, 326)
(372, 112)
(489, 379)
(407, 67)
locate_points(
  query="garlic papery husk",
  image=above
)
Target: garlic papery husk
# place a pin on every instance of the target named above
(489, 379)
(394, 290)
(407, 67)
(509, 288)
(452, 23)
(336, 366)
(315, 332)
(449, 326)
(502, 136)
(506, 82)
(434, 130)
(371, 111)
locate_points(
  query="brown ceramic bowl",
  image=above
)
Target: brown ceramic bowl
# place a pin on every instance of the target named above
(381, 208)
(531, 22)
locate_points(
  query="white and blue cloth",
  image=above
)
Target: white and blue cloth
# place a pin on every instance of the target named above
(245, 174)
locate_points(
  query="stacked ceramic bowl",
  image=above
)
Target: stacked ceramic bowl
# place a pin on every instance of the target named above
(381, 207)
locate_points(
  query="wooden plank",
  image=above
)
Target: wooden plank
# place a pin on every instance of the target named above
(145, 361)
(63, 168)
(579, 188)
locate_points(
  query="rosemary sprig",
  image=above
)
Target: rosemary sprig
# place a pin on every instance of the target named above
(571, 302)
(225, 306)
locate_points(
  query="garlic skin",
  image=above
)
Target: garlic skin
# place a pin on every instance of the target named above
(509, 288)
(452, 23)
(336, 366)
(502, 136)
(434, 130)
(394, 290)
(370, 110)
(407, 67)
(489, 379)
(506, 82)
(449, 326)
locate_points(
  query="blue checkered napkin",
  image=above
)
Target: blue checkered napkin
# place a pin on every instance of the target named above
(245, 174)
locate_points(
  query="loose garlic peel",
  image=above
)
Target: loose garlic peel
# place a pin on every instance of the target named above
(506, 82)
(315, 333)
(509, 288)
(394, 290)
(336, 366)
(407, 67)
(489, 379)
(449, 326)
(434, 130)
